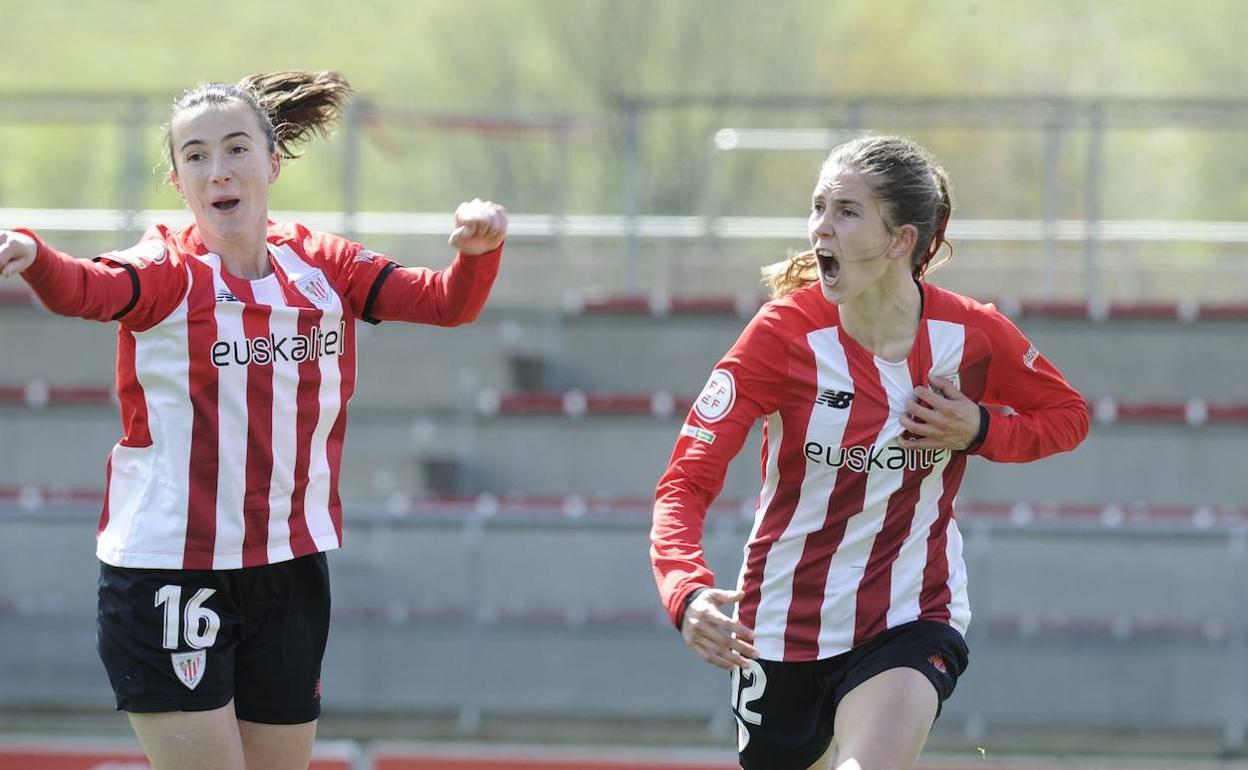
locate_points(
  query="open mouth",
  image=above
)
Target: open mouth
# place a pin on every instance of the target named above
(226, 205)
(829, 266)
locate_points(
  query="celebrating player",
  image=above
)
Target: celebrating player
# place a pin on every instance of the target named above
(235, 364)
(851, 604)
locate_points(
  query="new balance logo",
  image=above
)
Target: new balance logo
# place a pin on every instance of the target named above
(937, 662)
(225, 296)
(837, 399)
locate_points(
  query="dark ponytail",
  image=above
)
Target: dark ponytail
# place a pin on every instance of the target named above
(299, 105)
(943, 209)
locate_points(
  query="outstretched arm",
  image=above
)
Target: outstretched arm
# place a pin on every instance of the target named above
(67, 286)
(457, 294)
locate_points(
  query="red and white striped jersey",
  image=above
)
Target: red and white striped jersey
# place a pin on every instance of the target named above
(852, 534)
(234, 392)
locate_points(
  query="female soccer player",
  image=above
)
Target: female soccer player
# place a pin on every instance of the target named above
(235, 363)
(851, 602)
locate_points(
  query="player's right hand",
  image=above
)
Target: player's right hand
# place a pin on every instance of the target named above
(713, 635)
(17, 252)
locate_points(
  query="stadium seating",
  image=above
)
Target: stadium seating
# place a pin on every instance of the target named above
(497, 479)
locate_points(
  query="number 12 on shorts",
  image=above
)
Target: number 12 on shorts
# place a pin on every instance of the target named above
(202, 624)
(748, 683)
(745, 693)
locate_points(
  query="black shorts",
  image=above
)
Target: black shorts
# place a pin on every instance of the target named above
(785, 717)
(192, 640)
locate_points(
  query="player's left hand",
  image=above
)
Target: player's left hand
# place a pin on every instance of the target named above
(939, 417)
(480, 226)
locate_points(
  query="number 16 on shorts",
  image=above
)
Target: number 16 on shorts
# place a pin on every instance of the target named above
(199, 627)
(748, 684)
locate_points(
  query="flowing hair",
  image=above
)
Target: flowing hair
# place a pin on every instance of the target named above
(292, 106)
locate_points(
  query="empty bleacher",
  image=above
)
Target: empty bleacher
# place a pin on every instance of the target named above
(497, 479)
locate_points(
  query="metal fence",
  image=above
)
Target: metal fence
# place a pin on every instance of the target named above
(1063, 197)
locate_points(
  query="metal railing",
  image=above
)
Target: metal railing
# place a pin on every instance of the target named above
(1089, 256)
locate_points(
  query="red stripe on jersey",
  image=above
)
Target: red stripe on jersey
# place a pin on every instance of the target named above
(935, 596)
(201, 515)
(338, 434)
(867, 414)
(308, 410)
(130, 394)
(875, 590)
(791, 469)
(259, 474)
(108, 480)
(973, 370)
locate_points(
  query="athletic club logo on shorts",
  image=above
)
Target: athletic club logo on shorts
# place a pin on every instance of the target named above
(189, 666)
(717, 397)
(316, 289)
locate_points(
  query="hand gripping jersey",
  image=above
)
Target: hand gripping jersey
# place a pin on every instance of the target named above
(234, 392)
(852, 534)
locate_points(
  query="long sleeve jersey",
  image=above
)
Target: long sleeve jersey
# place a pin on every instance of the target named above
(234, 392)
(852, 533)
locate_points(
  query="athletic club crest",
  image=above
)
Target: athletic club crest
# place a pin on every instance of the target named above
(315, 288)
(954, 378)
(189, 666)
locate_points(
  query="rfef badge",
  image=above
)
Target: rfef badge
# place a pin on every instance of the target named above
(717, 397)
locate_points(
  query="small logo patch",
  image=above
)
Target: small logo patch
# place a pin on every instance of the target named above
(1029, 358)
(696, 433)
(937, 662)
(365, 256)
(837, 399)
(315, 288)
(717, 397)
(143, 253)
(189, 666)
(954, 379)
(226, 296)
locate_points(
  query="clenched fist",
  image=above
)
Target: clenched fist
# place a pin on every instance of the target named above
(480, 226)
(17, 252)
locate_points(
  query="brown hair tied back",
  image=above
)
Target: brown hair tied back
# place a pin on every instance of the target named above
(792, 274)
(292, 106)
(912, 189)
(938, 237)
(299, 105)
